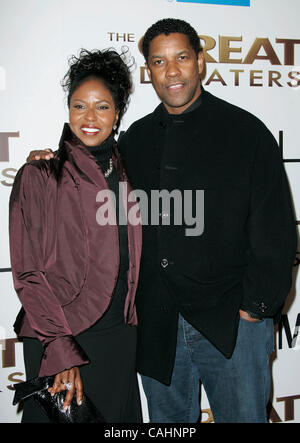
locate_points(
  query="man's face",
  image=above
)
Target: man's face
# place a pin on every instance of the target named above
(174, 69)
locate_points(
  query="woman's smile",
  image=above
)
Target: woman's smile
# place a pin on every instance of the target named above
(92, 112)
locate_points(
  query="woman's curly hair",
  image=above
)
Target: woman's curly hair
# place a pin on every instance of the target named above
(108, 66)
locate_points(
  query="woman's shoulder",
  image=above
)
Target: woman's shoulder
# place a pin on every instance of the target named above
(36, 173)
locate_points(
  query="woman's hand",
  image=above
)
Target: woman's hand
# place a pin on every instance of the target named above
(70, 380)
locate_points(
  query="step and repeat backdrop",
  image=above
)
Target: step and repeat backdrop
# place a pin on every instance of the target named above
(252, 51)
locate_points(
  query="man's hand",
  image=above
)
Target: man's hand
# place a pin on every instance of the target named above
(69, 380)
(246, 316)
(45, 154)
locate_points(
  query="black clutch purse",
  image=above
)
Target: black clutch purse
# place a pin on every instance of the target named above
(53, 406)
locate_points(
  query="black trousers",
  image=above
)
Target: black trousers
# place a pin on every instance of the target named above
(110, 380)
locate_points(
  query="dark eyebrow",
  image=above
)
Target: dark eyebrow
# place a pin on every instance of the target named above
(184, 51)
(83, 101)
(157, 56)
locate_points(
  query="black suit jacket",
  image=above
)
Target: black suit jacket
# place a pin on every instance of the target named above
(244, 257)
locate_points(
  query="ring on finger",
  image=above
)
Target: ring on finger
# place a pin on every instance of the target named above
(68, 385)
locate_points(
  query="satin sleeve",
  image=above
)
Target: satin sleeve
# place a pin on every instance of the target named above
(27, 234)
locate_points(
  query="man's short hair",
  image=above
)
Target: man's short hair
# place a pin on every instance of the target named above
(169, 26)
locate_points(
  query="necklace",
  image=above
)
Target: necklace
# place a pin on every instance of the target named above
(110, 169)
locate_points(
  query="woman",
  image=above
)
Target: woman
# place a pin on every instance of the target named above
(76, 278)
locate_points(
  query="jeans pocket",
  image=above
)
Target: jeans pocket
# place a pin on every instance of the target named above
(252, 322)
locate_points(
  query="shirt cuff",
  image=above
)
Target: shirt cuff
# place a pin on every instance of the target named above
(61, 354)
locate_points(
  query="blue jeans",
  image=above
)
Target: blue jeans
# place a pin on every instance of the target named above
(237, 389)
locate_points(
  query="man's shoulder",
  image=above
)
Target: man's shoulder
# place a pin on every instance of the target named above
(244, 125)
(230, 111)
(138, 132)
(142, 123)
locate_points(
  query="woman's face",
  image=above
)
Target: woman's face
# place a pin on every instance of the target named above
(92, 112)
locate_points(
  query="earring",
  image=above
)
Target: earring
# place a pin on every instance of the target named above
(114, 127)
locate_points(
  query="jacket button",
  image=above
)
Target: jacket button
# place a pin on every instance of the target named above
(164, 263)
(263, 307)
(164, 309)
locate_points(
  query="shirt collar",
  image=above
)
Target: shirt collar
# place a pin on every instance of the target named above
(191, 108)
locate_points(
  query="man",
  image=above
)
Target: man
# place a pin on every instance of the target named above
(207, 303)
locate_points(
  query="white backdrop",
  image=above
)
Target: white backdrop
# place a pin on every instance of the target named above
(253, 61)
